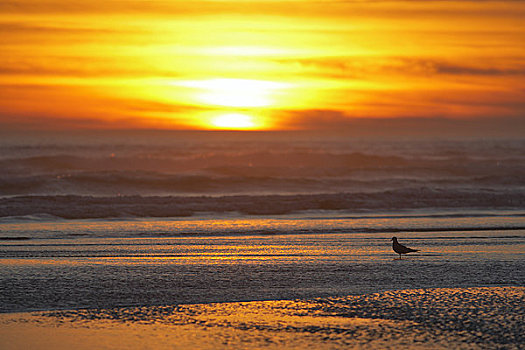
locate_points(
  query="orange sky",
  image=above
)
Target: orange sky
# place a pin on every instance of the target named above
(257, 64)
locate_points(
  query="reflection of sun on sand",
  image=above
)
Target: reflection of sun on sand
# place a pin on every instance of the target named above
(435, 318)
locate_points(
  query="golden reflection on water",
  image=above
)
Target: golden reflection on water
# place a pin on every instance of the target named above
(439, 318)
(222, 326)
(195, 250)
(42, 261)
(272, 249)
(230, 254)
(247, 241)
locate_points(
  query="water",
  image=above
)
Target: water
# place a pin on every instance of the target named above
(102, 264)
(182, 174)
(197, 218)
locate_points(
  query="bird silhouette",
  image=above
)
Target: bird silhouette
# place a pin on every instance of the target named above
(401, 249)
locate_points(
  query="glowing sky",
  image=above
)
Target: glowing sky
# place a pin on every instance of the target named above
(257, 64)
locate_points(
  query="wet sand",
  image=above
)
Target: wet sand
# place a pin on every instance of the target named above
(466, 318)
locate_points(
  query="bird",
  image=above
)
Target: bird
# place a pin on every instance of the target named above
(401, 249)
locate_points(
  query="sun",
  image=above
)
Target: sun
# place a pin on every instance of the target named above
(234, 104)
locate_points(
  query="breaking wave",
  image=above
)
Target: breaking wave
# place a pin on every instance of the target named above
(257, 175)
(82, 207)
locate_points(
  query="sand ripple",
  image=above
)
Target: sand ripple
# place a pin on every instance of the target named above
(471, 318)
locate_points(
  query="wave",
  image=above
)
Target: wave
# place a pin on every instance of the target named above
(147, 183)
(219, 161)
(218, 166)
(285, 162)
(84, 207)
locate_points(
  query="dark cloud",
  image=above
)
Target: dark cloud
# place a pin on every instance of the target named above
(339, 122)
(44, 121)
(49, 121)
(462, 70)
(316, 119)
(430, 66)
(362, 67)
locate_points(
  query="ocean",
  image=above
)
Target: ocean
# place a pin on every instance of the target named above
(145, 219)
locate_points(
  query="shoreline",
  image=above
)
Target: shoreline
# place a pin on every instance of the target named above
(473, 318)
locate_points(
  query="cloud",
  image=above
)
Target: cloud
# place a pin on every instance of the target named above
(78, 67)
(435, 66)
(49, 121)
(44, 121)
(205, 7)
(384, 67)
(171, 8)
(85, 7)
(141, 105)
(340, 122)
(20, 27)
(316, 119)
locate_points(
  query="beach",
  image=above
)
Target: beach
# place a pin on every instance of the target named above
(463, 290)
(444, 318)
(90, 272)
(206, 243)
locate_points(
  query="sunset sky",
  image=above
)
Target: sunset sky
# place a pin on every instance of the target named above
(271, 65)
